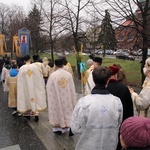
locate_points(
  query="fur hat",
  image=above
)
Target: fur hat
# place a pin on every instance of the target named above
(114, 69)
(98, 59)
(135, 132)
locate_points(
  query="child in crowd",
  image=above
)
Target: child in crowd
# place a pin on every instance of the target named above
(135, 133)
(12, 84)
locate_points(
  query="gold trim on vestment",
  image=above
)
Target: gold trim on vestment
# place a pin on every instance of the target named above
(32, 100)
(27, 111)
(63, 82)
(29, 72)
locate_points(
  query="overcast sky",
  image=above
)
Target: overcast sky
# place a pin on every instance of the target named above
(25, 3)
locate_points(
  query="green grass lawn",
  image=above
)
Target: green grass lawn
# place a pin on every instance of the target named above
(132, 68)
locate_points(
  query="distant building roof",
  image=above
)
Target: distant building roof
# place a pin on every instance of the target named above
(128, 23)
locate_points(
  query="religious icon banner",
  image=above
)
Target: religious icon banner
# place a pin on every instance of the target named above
(24, 39)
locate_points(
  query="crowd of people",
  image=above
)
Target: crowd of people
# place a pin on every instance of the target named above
(104, 116)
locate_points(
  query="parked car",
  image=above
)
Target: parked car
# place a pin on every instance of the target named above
(100, 52)
(140, 52)
(109, 52)
(124, 54)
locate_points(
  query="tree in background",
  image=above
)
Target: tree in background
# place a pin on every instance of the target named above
(140, 19)
(73, 24)
(12, 19)
(107, 34)
(52, 27)
(33, 23)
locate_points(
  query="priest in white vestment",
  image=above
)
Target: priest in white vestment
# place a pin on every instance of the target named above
(31, 94)
(61, 98)
(97, 61)
(39, 65)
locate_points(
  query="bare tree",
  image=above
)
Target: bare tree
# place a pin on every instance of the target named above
(11, 19)
(74, 24)
(4, 17)
(137, 11)
(16, 21)
(50, 12)
(140, 19)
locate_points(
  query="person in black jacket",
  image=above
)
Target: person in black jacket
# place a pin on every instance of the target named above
(120, 90)
(135, 133)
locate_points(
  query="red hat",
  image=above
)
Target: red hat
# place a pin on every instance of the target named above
(114, 69)
(135, 132)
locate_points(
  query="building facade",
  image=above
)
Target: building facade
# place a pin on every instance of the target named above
(130, 35)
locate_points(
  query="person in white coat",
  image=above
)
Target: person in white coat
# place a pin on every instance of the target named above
(142, 101)
(97, 116)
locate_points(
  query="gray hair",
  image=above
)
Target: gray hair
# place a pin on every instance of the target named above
(89, 62)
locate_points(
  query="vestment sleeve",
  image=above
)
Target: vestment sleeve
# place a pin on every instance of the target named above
(77, 118)
(143, 100)
(120, 111)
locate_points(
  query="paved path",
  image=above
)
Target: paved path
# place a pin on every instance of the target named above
(15, 131)
(51, 140)
(18, 133)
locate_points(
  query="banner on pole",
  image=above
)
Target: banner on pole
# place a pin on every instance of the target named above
(24, 39)
(3, 47)
(16, 46)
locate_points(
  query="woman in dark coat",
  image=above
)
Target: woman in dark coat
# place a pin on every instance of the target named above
(120, 90)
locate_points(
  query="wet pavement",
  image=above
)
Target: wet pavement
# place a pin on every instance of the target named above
(15, 132)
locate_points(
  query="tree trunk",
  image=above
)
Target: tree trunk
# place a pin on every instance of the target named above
(52, 51)
(144, 56)
(78, 59)
(51, 47)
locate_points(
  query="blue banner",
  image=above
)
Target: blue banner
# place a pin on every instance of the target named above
(24, 39)
(82, 67)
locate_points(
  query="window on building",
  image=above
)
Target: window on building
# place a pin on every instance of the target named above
(120, 37)
(130, 36)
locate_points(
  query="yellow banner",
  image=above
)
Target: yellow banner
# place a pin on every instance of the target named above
(16, 46)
